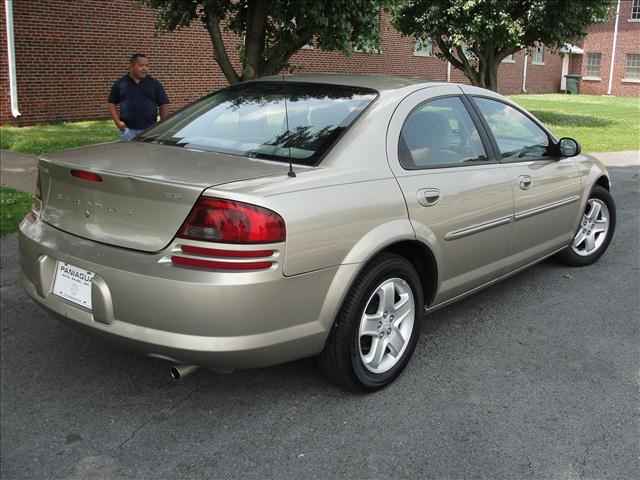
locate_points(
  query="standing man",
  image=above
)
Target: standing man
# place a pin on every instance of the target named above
(140, 96)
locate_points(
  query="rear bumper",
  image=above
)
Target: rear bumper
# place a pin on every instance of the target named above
(220, 320)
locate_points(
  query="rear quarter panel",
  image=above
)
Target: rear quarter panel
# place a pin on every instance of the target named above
(342, 211)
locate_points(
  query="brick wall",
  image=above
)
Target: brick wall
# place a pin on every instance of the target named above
(600, 40)
(68, 54)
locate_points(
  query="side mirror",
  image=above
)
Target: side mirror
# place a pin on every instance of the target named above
(569, 147)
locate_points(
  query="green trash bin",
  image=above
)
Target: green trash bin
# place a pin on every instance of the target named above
(573, 84)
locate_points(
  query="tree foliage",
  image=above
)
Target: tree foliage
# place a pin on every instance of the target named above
(476, 35)
(273, 30)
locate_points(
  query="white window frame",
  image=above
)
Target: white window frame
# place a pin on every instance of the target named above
(626, 78)
(635, 11)
(537, 57)
(508, 59)
(587, 75)
(423, 48)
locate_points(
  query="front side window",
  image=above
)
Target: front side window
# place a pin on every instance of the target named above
(249, 120)
(632, 66)
(518, 137)
(438, 133)
(593, 64)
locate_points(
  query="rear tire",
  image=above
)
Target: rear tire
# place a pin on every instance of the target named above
(595, 230)
(377, 327)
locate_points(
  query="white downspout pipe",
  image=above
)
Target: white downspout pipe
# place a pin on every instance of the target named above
(524, 71)
(13, 84)
(613, 49)
(449, 72)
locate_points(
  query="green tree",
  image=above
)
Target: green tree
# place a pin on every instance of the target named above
(476, 35)
(273, 30)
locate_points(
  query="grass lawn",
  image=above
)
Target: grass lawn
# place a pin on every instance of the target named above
(40, 139)
(14, 205)
(600, 124)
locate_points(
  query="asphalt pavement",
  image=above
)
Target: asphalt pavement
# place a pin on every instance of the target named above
(536, 377)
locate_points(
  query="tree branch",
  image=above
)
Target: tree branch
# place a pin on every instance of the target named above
(446, 53)
(304, 38)
(469, 71)
(219, 50)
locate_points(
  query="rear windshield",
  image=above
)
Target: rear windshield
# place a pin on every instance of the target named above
(249, 120)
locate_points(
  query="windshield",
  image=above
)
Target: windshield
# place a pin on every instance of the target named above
(249, 120)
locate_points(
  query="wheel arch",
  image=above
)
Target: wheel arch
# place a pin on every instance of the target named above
(423, 260)
(603, 181)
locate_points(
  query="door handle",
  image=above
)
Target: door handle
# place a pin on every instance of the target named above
(524, 181)
(428, 197)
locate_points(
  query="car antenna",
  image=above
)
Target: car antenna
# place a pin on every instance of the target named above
(286, 116)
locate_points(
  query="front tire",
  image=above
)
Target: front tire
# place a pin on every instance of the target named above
(594, 232)
(377, 327)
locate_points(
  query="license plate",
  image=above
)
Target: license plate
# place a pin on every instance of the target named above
(73, 283)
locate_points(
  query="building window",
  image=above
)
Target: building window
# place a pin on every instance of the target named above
(538, 54)
(423, 48)
(593, 64)
(508, 59)
(632, 67)
(635, 10)
(468, 52)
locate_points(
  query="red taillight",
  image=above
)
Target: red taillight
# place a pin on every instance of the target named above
(198, 262)
(88, 176)
(227, 253)
(225, 259)
(226, 221)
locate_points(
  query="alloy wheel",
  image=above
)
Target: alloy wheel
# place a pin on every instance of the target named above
(386, 325)
(593, 228)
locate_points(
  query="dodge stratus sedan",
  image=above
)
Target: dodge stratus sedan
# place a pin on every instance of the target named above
(306, 216)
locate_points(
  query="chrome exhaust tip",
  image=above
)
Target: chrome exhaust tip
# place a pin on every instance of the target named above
(180, 371)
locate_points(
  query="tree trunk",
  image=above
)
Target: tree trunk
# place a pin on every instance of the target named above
(253, 62)
(492, 80)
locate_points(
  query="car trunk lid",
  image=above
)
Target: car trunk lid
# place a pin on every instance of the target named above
(144, 192)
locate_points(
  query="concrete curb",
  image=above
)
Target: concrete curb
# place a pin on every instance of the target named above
(18, 170)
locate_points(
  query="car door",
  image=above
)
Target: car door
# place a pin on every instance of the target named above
(457, 193)
(546, 188)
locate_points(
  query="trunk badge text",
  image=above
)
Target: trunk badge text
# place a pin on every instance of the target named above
(98, 207)
(172, 196)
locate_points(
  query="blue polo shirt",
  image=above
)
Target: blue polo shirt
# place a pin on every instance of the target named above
(138, 101)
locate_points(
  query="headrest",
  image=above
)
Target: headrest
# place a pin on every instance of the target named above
(427, 129)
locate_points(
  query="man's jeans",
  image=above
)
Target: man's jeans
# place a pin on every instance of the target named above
(128, 134)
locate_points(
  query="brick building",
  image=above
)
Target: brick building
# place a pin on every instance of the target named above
(599, 75)
(68, 54)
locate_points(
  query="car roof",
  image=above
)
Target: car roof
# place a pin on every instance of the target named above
(375, 82)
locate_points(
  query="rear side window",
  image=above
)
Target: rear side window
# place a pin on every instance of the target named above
(249, 120)
(440, 133)
(518, 137)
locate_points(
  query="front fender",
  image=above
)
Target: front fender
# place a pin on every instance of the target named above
(591, 170)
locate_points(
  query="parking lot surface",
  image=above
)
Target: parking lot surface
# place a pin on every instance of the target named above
(536, 377)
